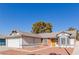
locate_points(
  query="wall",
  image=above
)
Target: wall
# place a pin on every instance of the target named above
(74, 35)
(49, 43)
(72, 42)
(14, 42)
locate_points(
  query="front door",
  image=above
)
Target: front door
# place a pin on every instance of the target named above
(53, 42)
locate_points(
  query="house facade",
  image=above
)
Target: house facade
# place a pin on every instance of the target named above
(19, 39)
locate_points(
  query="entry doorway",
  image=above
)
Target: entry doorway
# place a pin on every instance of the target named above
(53, 42)
(64, 41)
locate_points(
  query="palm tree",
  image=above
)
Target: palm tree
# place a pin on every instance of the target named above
(41, 27)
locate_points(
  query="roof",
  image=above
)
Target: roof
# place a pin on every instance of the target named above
(47, 35)
(72, 33)
(63, 32)
(29, 34)
(20, 34)
(2, 36)
(41, 35)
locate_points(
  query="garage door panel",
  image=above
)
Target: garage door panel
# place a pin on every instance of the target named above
(13, 43)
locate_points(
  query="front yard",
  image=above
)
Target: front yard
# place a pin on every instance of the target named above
(45, 50)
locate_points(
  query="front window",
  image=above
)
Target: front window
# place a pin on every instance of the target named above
(2, 42)
(63, 40)
(68, 41)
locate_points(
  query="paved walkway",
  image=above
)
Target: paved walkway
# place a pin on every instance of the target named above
(76, 50)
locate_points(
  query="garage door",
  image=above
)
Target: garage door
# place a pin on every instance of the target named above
(13, 43)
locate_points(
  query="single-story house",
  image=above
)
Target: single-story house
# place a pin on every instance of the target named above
(18, 39)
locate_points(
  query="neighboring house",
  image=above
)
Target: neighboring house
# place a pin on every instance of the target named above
(19, 39)
(2, 40)
(78, 35)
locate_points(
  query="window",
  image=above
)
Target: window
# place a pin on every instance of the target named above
(41, 40)
(63, 41)
(2, 42)
(68, 41)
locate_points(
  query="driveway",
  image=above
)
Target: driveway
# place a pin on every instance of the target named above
(47, 51)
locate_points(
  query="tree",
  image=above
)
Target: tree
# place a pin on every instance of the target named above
(71, 29)
(77, 32)
(41, 27)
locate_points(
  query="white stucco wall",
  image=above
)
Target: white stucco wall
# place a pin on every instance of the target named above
(14, 42)
(72, 42)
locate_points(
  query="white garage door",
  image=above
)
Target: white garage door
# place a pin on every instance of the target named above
(13, 43)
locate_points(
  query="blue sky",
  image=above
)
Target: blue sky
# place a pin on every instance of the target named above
(22, 16)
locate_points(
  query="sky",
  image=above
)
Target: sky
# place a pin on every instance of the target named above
(22, 16)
